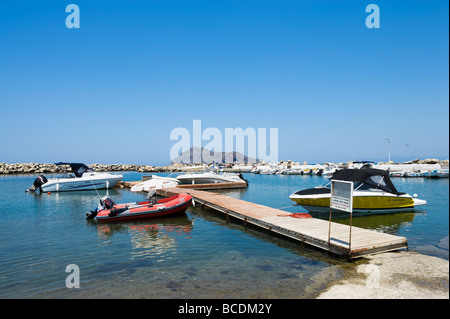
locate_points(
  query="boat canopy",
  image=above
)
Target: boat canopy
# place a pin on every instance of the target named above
(77, 168)
(371, 176)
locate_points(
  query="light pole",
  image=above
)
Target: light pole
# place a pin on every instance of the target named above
(389, 149)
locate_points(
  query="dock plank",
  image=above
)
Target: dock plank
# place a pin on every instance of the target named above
(311, 231)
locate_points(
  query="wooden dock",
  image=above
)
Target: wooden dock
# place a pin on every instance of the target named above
(311, 231)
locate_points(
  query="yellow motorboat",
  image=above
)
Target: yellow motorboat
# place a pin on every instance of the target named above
(373, 192)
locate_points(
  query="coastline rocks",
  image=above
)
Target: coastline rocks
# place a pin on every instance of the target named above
(42, 168)
(393, 275)
(30, 168)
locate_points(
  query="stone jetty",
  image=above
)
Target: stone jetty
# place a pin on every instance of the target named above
(49, 168)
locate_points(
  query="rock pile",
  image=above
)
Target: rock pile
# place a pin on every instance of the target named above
(30, 168)
(39, 168)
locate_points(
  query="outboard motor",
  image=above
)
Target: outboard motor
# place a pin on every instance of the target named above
(38, 182)
(105, 203)
(151, 197)
(242, 177)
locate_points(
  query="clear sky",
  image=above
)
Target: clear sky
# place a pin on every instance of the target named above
(114, 89)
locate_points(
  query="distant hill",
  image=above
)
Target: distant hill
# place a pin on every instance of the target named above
(204, 155)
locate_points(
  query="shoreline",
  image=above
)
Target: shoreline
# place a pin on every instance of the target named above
(43, 168)
(393, 275)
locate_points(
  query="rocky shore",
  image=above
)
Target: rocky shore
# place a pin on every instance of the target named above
(393, 275)
(42, 168)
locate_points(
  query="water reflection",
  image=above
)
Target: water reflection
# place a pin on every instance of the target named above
(150, 237)
(387, 223)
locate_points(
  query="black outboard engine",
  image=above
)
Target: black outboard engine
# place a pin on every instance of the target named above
(105, 203)
(38, 182)
(242, 177)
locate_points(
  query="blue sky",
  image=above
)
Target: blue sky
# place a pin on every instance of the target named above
(114, 89)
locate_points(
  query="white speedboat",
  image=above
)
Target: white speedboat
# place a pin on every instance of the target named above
(414, 173)
(373, 193)
(210, 178)
(81, 178)
(154, 183)
(326, 172)
(437, 173)
(397, 174)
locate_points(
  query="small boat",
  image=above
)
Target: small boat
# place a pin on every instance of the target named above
(442, 173)
(397, 174)
(414, 173)
(109, 211)
(327, 172)
(373, 192)
(210, 178)
(153, 183)
(82, 177)
(437, 173)
(268, 170)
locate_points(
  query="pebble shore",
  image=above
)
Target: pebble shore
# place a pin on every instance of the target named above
(393, 275)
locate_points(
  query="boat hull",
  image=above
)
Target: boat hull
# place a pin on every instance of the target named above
(443, 173)
(168, 206)
(78, 184)
(152, 184)
(207, 179)
(361, 203)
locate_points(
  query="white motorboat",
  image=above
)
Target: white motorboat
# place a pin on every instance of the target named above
(82, 177)
(437, 173)
(326, 172)
(373, 193)
(397, 174)
(414, 173)
(210, 178)
(154, 183)
(267, 170)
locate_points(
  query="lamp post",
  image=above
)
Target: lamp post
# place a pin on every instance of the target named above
(389, 149)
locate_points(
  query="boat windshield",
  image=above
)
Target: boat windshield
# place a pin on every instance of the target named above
(77, 168)
(327, 184)
(357, 185)
(367, 179)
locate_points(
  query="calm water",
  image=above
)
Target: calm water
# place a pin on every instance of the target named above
(195, 255)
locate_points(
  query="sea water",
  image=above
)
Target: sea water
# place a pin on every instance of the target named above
(199, 254)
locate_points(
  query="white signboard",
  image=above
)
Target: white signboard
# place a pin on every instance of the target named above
(342, 195)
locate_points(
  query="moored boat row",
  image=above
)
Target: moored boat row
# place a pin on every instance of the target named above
(437, 173)
(373, 191)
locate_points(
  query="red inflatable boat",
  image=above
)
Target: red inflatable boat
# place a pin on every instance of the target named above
(108, 211)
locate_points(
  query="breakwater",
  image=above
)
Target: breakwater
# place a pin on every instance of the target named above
(42, 168)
